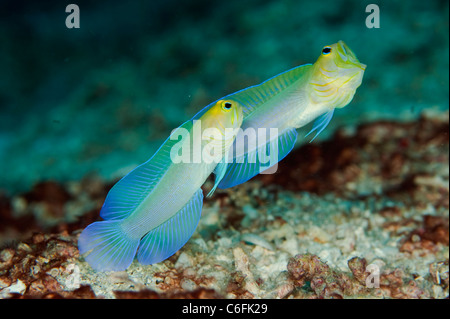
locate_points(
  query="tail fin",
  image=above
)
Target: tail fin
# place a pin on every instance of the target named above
(108, 246)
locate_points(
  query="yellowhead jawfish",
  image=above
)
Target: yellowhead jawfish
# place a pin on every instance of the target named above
(274, 109)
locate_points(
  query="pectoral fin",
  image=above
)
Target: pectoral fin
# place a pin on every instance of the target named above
(321, 123)
(219, 172)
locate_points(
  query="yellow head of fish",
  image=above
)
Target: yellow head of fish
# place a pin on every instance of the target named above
(221, 121)
(336, 75)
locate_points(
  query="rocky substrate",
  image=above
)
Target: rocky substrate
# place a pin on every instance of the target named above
(364, 214)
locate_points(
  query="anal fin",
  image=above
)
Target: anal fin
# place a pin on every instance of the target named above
(166, 239)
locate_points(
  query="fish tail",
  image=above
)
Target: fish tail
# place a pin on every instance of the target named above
(109, 247)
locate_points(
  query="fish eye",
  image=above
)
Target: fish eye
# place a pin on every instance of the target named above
(326, 50)
(226, 106)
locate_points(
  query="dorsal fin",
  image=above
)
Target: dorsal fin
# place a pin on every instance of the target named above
(129, 192)
(252, 97)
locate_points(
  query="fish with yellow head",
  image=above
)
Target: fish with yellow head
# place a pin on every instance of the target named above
(284, 103)
(154, 209)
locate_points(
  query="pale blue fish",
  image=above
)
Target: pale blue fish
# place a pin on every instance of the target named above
(154, 210)
(287, 102)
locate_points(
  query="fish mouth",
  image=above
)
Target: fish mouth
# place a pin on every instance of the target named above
(346, 50)
(351, 55)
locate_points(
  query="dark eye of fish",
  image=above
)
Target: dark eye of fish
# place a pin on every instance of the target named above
(326, 50)
(227, 105)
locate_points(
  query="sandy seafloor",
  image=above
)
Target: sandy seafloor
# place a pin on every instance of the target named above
(80, 108)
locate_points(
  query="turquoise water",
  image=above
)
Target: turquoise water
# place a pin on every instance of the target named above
(100, 99)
